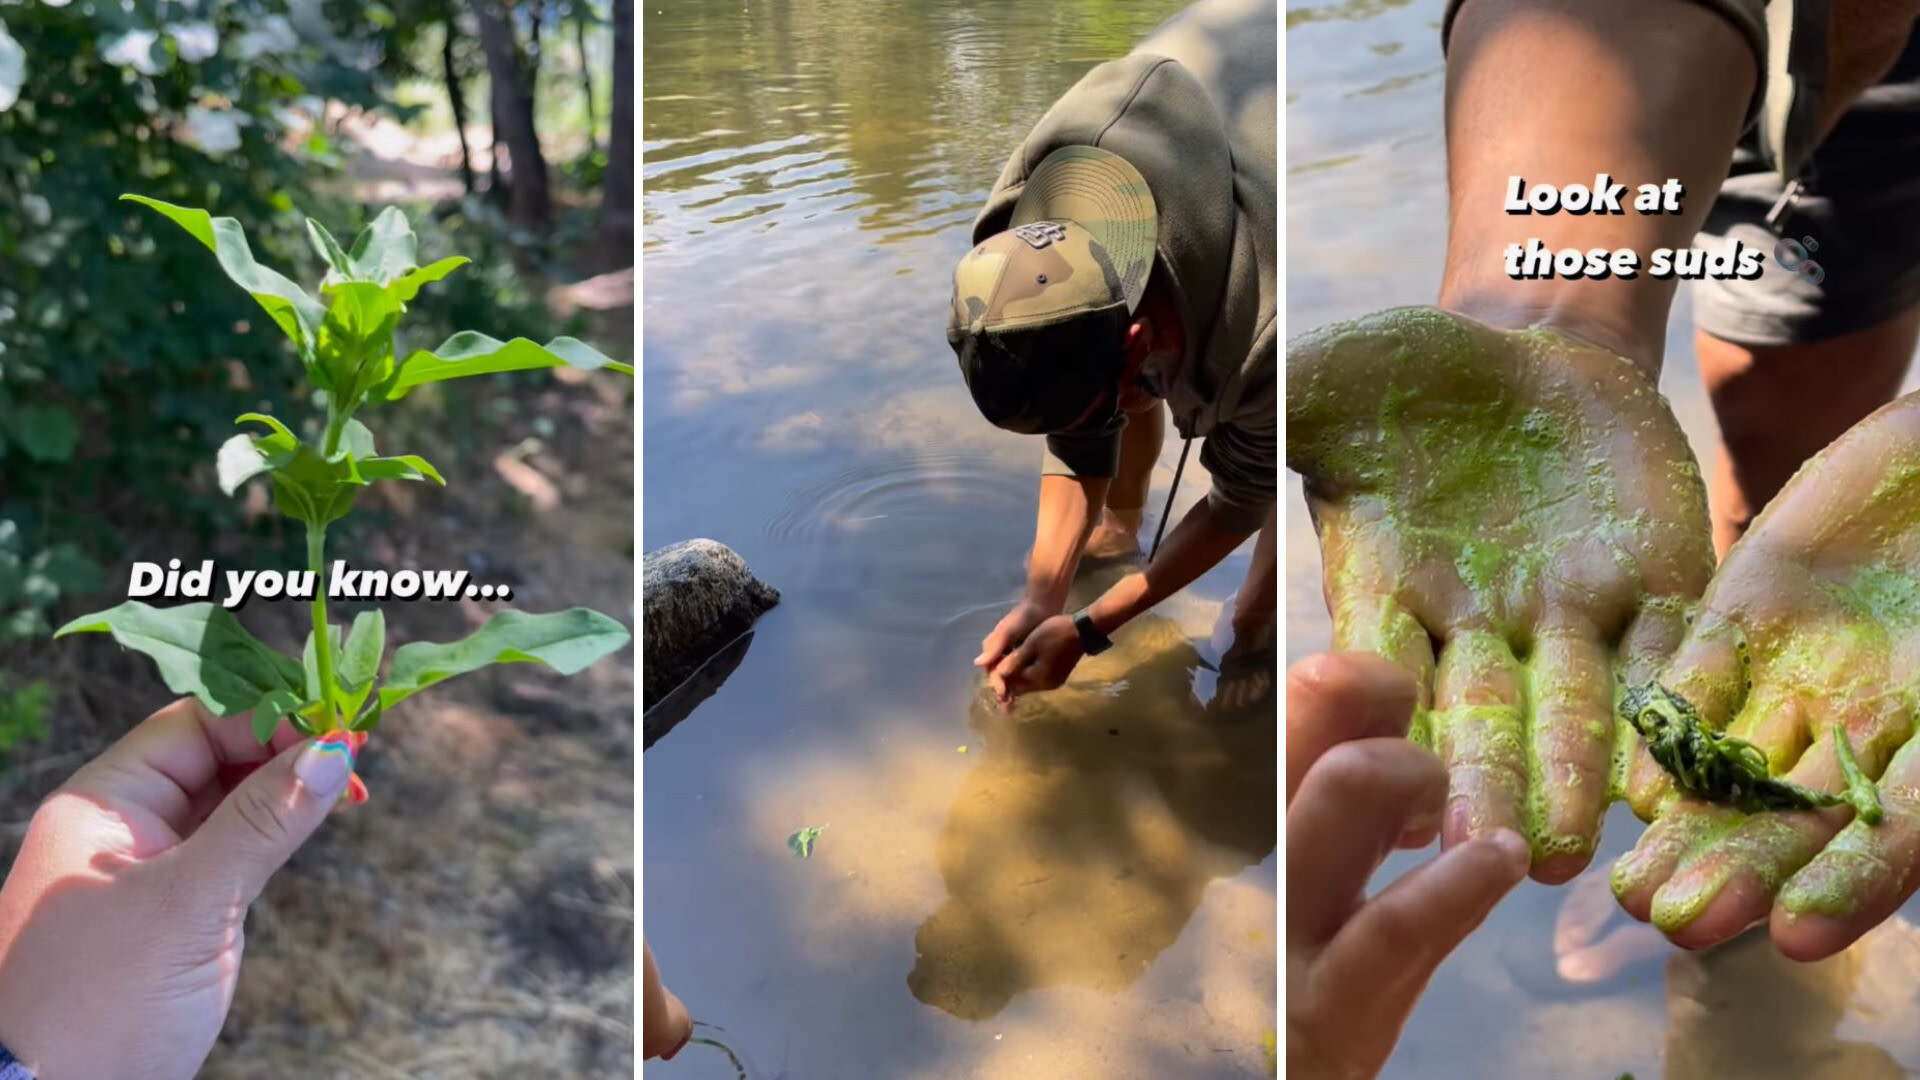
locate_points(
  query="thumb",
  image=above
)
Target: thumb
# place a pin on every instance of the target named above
(263, 821)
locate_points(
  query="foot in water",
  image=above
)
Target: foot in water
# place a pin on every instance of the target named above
(1247, 663)
(1116, 537)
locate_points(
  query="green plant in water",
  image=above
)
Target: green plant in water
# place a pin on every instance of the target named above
(802, 841)
(1724, 769)
(345, 341)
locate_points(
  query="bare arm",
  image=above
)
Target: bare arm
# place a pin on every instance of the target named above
(1069, 507)
(1557, 91)
(1195, 546)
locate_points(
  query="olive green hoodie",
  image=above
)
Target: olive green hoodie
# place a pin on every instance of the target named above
(1194, 108)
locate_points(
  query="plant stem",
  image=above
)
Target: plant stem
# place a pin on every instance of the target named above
(336, 423)
(322, 635)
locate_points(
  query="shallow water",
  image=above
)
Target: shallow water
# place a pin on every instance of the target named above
(1366, 221)
(1084, 889)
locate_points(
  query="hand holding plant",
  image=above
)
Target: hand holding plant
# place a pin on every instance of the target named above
(346, 341)
(121, 921)
(1807, 648)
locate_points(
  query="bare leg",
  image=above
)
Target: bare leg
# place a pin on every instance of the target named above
(1779, 405)
(1118, 533)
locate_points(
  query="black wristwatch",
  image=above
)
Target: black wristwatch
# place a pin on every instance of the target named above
(1091, 639)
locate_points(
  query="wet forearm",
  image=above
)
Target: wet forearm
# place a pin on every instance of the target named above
(1068, 508)
(1558, 91)
(1195, 546)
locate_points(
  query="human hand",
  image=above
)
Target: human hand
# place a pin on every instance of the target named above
(1812, 621)
(1010, 631)
(1042, 662)
(665, 1027)
(1527, 504)
(121, 922)
(1356, 789)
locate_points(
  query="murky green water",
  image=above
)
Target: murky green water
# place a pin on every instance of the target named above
(1366, 227)
(1083, 890)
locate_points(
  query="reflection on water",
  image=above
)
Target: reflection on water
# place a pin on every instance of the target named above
(1055, 901)
(1084, 839)
(1366, 213)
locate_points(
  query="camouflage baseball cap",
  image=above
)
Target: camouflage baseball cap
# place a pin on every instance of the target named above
(1039, 310)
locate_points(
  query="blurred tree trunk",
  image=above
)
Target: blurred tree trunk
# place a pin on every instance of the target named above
(457, 98)
(616, 198)
(586, 79)
(529, 204)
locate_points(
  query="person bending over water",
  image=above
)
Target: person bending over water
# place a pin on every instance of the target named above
(1125, 259)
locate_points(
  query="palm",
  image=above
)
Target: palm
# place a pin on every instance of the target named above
(1507, 515)
(1813, 621)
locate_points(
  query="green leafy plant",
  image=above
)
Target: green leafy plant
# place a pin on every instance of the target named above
(801, 842)
(1725, 769)
(345, 339)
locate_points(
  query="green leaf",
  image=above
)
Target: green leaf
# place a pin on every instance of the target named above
(360, 660)
(802, 840)
(566, 641)
(267, 715)
(238, 462)
(355, 439)
(279, 428)
(296, 313)
(200, 649)
(468, 353)
(244, 456)
(329, 250)
(408, 286)
(307, 487)
(385, 249)
(44, 432)
(355, 348)
(403, 467)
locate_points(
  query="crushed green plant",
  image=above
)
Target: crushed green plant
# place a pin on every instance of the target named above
(1725, 769)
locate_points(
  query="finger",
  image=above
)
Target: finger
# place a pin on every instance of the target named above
(1685, 827)
(993, 648)
(1861, 877)
(166, 762)
(1652, 639)
(1375, 624)
(1479, 734)
(1711, 675)
(253, 832)
(1572, 740)
(1728, 887)
(1337, 697)
(1353, 805)
(1379, 963)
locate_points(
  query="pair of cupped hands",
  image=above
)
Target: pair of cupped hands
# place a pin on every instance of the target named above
(1515, 519)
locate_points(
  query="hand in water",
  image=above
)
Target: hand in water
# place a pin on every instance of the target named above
(1009, 633)
(1356, 789)
(1813, 620)
(121, 920)
(1042, 662)
(1527, 506)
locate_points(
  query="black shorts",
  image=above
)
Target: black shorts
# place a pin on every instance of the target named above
(1852, 233)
